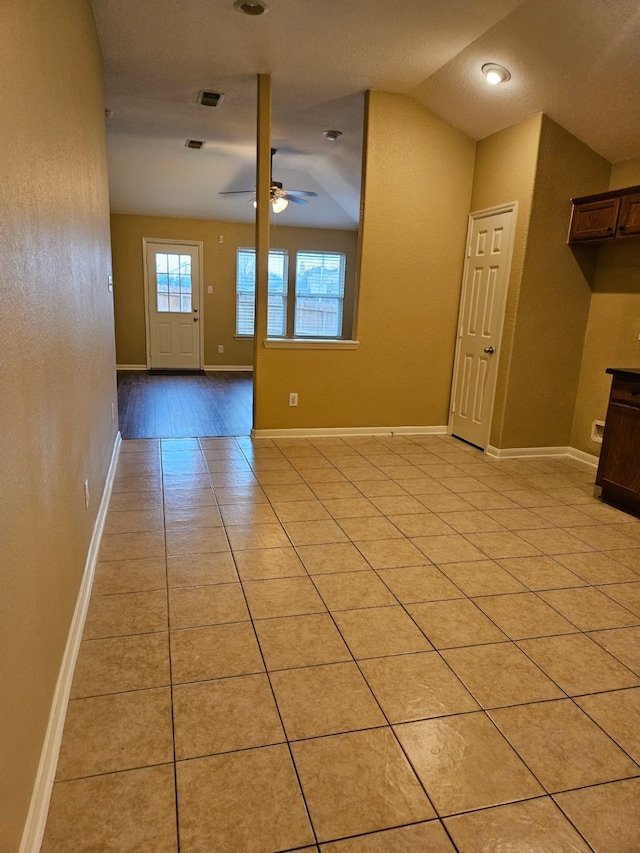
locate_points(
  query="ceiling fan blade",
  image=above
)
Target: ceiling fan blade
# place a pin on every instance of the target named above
(294, 199)
(236, 192)
(302, 192)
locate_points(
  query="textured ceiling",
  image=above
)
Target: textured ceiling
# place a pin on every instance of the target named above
(576, 60)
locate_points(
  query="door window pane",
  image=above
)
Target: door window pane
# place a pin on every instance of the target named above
(173, 283)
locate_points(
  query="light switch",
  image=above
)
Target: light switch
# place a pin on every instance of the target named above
(209, 289)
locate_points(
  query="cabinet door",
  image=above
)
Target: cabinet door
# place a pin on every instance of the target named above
(620, 455)
(594, 220)
(629, 218)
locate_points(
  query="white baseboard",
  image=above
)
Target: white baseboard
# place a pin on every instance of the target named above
(581, 456)
(208, 368)
(320, 432)
(43, 787)
(540, 453)
(230, 367)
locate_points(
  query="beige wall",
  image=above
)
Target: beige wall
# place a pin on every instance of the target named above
(219, 271)
(614, 322)
(56, 361)
(540, 165)
(505, 172)
(554, 299)
(417, 184)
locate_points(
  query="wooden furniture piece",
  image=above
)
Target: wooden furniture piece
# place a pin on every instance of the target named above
(605, 216)
(619, 466)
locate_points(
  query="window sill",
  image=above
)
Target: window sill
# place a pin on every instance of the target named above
(309, 343)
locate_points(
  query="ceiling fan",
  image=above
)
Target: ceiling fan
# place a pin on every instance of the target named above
(280, 197)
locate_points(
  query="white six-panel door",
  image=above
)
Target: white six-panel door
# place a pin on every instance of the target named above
(482, 305)
(172, 276)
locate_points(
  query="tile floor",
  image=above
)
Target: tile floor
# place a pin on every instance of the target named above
(366, 645)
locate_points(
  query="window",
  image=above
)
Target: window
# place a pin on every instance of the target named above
(319, 294)
(173, 283)
(246, 292)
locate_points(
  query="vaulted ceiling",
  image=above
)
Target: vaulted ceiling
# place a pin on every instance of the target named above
(576, 60)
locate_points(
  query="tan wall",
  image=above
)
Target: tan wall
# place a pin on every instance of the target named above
(505, 171)
(417, 183)
(219, 271)
(56, 364)
(540, 165)
(554, 298)
(614, 322)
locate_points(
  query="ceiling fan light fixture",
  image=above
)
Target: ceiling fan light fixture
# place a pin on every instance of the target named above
(332, 135)
(495, 73)
(277, 204)
(253, 9)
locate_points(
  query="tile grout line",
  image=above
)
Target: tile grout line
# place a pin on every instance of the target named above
(169, 649)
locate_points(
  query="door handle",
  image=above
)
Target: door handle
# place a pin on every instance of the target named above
(489, 350)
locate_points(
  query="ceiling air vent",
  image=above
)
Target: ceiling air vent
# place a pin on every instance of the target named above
(194, 143)
(210, 99)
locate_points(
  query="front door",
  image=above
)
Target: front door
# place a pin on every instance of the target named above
(172, 274)
(484, 293)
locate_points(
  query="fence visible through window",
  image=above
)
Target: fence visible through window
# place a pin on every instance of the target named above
(246, 292)
(319, 294)
(317, 291)
(173, 283)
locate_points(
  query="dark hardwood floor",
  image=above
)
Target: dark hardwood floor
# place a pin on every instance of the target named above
(176, 405)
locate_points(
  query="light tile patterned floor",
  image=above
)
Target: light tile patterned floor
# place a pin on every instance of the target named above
(365, 645)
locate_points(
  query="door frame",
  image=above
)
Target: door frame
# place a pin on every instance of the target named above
(199, 245)
(474, 216)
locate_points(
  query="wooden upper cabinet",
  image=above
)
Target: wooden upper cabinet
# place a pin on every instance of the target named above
(606, 216)
(594, 220)
(629, 216)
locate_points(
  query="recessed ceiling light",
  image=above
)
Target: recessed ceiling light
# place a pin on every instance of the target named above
(495, 73)
(250, 8)
(332, 135)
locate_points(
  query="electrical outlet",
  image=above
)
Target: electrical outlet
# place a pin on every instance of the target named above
(209, 289)
(293, 398)
(86, 494)
(113, 411)
(220, 238)
(220, 348)
(110, 284)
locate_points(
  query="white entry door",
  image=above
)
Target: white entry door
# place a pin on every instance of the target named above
(484, 293)
(172, 274)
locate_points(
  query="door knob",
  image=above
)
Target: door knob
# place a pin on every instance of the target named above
(489, 350)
